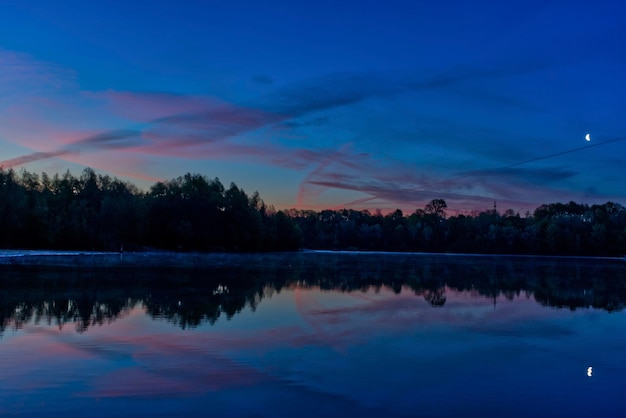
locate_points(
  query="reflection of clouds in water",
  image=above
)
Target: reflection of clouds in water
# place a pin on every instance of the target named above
(369, 351)
(333, 284)
(337, 322)
(388, 312)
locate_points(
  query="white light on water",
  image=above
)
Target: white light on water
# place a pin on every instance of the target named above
(589, 371)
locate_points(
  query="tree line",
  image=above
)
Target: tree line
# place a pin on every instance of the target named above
(552, 229)
(96, 212)
(194, 213)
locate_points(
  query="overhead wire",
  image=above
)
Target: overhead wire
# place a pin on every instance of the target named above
(476, 172)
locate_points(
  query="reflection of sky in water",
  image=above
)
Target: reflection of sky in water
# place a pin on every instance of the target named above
(307, 352)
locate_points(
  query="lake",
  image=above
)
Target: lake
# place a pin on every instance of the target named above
(311, 334)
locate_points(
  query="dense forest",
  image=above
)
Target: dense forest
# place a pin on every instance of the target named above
(194, 213)
(95, 212)
(553, 229)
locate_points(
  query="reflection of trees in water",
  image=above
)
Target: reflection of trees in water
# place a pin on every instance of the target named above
(189, 297)
(87, 298)
(190, 308)
(85, 311)
(59, 297)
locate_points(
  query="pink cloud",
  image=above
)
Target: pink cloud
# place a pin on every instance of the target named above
(341, 157)
(400, 187)
(171, 126)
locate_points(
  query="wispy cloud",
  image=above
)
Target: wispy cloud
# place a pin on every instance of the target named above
(523, 175)
(21, 74)
(116, 139)
(189, 120)
(388, 188)
(161, 124)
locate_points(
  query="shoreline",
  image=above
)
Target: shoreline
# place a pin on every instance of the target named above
(197, 260)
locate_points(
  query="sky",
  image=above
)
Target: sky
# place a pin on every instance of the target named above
(326, 104)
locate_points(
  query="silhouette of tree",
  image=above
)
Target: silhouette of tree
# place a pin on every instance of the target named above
(436, 207)
(193, 213)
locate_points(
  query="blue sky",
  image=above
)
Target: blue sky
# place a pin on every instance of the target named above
(324, 104)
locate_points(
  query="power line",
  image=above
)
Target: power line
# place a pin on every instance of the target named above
(474, 172)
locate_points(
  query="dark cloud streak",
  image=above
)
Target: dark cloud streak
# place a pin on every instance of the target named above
(285, 104)
(554, 175)
(32, 157)
(114, 139)
(539, 176)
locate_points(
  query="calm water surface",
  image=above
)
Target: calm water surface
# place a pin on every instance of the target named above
(311, 334)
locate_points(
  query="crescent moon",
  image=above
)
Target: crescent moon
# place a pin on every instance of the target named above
(587, 137)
